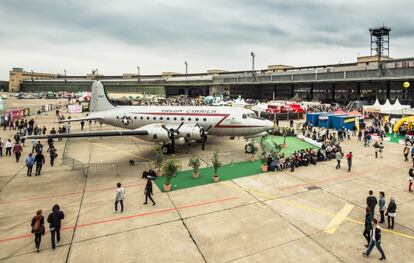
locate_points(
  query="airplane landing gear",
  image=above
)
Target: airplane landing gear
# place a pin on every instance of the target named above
(166, 148)
(249, 148)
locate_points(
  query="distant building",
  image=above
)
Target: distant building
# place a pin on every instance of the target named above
(17, 75)
(341, 82)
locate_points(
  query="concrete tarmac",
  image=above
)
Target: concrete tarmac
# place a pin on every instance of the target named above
(272, 217)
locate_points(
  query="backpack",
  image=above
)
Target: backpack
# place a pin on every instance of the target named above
(36, 225)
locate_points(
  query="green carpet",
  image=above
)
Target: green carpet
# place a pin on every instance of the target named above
(185, 179)
(293, 144)
(395, 138)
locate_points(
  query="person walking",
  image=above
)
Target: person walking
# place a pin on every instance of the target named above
(1, 147)
(29, 164)
(338, 157)
(368, 225)
(148, 192)
(375, 240)
(17, 150)
(53, 154)
(381, 149)
(55, 221)
(9, 147)
(391, 212)
(406, 151)
(39, 160)
(82, 123)
(38, 228)
(119, 198)
(381, 205)
(410, 179)
(349, 159)
(371, 202)
(376, 148)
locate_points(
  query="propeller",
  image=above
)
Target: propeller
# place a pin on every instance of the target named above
(203, 135)
(171, 135)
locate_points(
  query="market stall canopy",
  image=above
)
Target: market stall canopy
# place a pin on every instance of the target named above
(340, 112)
(355, 113)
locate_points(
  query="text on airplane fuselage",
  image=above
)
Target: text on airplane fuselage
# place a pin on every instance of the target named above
(190, 111)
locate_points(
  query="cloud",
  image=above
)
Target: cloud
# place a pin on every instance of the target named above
(158, 35)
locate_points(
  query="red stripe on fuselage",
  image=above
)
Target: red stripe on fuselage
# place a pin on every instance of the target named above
(224, 115)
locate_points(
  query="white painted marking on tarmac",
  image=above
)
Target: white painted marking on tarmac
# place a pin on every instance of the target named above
(338, 219)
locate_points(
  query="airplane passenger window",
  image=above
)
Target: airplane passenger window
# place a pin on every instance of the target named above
(161, 118)
(168, 118)
(155, 118)
(182, 119)
(175, 118)
(142, 117)
(189, 119)
(196, 119)
(204, 119)
(135, 117)
(147, 118)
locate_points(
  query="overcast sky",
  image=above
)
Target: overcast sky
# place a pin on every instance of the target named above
(116, 36)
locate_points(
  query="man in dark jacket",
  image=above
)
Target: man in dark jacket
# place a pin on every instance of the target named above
(375, 240)
(371, 202)
(39, 160)
(55, 221)
(148, 192)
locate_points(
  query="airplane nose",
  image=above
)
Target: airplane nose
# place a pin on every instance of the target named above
(269, 124)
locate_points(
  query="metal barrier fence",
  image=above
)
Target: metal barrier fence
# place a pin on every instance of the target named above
(125, 168)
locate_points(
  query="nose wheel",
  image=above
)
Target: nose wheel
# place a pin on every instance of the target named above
(248, 148)
(166, 148)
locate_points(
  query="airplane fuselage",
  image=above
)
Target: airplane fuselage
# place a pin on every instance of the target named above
(220, 121)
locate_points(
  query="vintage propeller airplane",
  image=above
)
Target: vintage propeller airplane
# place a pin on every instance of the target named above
(168, 125)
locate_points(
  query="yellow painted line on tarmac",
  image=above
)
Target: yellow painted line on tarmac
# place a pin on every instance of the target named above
(338, 219)
(311, 209)
(119, 151)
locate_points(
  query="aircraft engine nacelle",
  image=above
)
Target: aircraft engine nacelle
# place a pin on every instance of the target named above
(155, 133)
(190, 132)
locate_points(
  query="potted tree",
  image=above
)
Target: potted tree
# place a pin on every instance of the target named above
(170, 170)
(216, 164)
(158, 162)
(195, 164)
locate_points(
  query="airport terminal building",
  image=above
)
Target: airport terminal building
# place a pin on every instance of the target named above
(363, 79)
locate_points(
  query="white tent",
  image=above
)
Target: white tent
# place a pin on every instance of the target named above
(376, 104)
(395, 108)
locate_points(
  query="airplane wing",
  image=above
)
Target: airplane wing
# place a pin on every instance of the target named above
(81, 119)
(89, 134)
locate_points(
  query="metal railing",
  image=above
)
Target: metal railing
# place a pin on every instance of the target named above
(126, 168)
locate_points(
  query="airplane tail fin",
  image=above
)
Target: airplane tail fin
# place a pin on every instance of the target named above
(99, 100)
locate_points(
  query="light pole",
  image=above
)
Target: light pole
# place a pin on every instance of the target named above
(253, 55)
(65, 74)
(186, 68)
(32, 81)
(139, 73)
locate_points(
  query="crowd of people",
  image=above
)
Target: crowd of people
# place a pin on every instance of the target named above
(170, 101)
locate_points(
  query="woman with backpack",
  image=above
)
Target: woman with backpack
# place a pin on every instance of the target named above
(38, 228)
